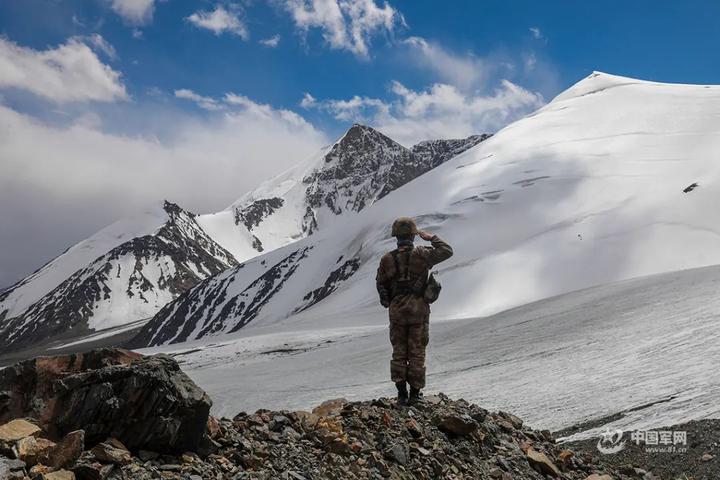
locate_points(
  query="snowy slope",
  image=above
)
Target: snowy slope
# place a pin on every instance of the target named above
(128, 271)
(360, 168)
(132, 273)
(587, 190)
(649, 342)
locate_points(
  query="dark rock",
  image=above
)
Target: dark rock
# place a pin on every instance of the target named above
(400, 453)
(112, 451)
(88, 468)
(68, 450)
(146, 455)
(455, 424)
(146, 402)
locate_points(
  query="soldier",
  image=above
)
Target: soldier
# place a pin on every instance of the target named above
(401, 280)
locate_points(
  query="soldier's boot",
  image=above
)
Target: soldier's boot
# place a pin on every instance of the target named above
(402, 398)
(415, 396)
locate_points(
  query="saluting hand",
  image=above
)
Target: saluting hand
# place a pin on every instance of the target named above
(425, 236)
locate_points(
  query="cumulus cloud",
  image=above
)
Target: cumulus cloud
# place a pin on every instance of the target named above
(345, 24)
(536, 33)
(71, 72)
(441, 111)
(221, 20)
(81, 177)
(271, 42)
(134, 12)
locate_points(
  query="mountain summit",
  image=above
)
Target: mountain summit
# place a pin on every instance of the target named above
(125, 273)
(359, 169)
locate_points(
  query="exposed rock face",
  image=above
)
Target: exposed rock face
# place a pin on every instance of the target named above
(251, 215)
(145, 402)
(191, 315)
(359, 169)
(366, 165)
(436, 152)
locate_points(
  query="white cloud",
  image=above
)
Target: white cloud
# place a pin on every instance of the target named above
(271, 42)
(135, 12)
(207, 103)
(78, 178)
(442, 111)
(232, 102)
(357, 108)
(98, 43)
(536, 33)
(345, 24)
(137, 33)
(308, 101)
(220, 20)
(69, 73)
(464, 71)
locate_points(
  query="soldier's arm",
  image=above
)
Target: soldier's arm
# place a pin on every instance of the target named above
(381, 283)
(439, 252)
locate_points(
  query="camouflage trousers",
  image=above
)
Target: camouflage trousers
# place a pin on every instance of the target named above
(408, 357)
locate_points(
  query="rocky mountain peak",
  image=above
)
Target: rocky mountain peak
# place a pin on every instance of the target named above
(173, 209)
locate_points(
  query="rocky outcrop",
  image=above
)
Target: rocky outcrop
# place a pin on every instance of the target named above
(439, 438)
(145, 402)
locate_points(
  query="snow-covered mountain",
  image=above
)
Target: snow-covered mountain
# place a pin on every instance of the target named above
(355, 172)
(122, 274)
(126, 272)
(587, 190)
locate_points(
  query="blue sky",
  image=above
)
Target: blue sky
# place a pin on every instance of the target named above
(107, 106)
(660, 40)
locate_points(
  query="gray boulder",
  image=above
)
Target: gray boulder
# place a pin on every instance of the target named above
(144, 401)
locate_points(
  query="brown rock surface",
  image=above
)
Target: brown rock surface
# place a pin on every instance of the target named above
(147, 402)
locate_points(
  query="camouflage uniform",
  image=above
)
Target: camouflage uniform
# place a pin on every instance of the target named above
(409, 313)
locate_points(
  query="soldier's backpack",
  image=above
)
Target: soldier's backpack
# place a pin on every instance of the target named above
(432, 288)
(403, 284)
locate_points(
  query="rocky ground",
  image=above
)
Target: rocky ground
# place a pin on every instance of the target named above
(114, 414)
(699, 459)
(439, 439)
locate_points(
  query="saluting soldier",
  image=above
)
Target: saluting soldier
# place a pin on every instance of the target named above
(402, 278)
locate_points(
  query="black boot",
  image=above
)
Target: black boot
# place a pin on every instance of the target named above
(415, 396)
(402, 398)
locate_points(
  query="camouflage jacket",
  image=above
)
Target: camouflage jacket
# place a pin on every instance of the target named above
(409, 309)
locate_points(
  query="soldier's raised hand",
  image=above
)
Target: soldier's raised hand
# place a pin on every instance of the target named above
(425, 235)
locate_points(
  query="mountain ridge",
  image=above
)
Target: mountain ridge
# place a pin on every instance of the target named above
(65, 295)
(566, 198)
